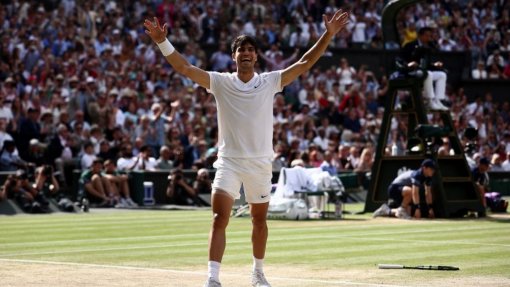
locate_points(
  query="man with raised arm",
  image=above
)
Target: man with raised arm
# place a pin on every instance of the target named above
(245, 119)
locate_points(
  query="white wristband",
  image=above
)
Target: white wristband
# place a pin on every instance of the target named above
(166, 47)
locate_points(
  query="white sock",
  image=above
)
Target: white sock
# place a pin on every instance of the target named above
(258, 264)
(213, 270)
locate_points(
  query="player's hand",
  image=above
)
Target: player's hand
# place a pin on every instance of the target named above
(155, 30)
(339, 20)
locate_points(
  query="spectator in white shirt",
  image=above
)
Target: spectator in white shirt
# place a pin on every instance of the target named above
(299, 38)
(88, 156)
(506, 163)
(321, 140)
(479, 72)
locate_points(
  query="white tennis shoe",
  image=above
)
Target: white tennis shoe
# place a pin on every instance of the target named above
(402, 213)
(212, 283)
(384, 210)
(259, 280)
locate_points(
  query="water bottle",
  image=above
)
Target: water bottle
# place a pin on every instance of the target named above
(85, 205)
(148, 193)
(338, 209)
(394, 149)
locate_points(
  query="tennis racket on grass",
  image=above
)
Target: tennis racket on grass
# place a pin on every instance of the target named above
(420, 267)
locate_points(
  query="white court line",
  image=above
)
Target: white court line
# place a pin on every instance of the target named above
(306, 237)
(287, 279)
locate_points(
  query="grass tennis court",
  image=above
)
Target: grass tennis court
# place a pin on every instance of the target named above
(169, 248)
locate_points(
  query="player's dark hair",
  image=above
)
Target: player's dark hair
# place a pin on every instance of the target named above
(241, 40)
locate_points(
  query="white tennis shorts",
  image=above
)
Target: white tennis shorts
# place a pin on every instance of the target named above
(253, 173)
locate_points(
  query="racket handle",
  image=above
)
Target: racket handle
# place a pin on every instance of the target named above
(390, 266)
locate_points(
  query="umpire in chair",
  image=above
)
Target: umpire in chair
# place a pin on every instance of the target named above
(415, 58)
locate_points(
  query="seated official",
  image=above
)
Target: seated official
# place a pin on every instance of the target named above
(417, 56)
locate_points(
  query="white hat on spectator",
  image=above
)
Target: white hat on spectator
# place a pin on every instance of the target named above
(116, 31)
(9, 80)
(90, 80)
(346, 135)
(113, 91)
(34, 142)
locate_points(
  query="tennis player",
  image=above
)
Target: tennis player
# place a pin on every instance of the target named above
(245, 118)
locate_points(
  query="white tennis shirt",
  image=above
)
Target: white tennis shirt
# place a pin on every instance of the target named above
(245, 113)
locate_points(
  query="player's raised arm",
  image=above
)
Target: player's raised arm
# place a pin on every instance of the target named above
(179, 63)
(334, 25)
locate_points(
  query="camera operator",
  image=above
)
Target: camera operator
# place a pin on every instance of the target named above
(202, 185)
(179, 191)
(19, 188)
(45, 181)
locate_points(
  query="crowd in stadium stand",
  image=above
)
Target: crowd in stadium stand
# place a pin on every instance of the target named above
(81, 80)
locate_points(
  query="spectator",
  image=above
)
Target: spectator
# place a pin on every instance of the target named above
(29, 128)
(327, 164)
(346, 73)
(88, 156)
(496, 163)
(60, 151)
(366, 161)
(119, 183)
(209, 26)
(144, 160)
(127, 161)
(9, 158)
(506, 163)
(35, 154)
(276, 62)
(342, 162)
(5, 110)
(164, 161)
(404, 194)
(481, 178)
(4, 135)
(97, 187)
(221, 60)
(321, 140)
(497, 59)
(494, 72)
(299, 39)
(479, 73)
